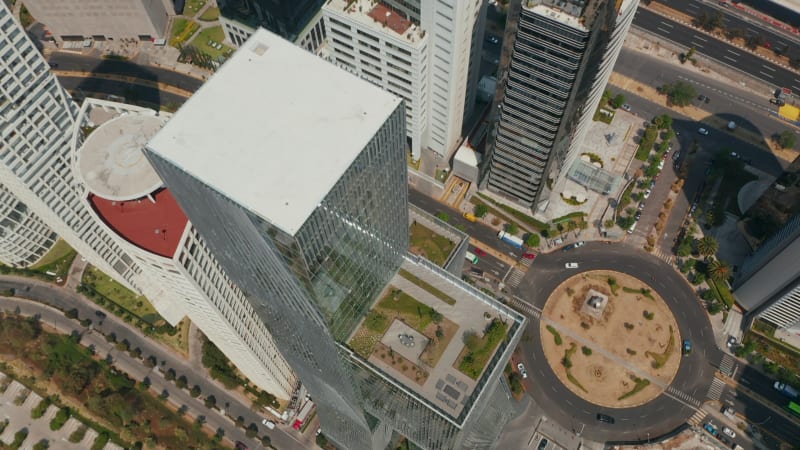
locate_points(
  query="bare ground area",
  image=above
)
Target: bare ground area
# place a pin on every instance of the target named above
(623, 344)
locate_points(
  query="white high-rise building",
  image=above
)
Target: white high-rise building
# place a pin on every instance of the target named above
(420, 50)
(82, 172)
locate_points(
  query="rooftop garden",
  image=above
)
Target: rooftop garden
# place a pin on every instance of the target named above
(478, 350)
(398, 305)
(428, 244)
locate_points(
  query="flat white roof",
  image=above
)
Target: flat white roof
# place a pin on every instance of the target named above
(112, 162)
(274, 129)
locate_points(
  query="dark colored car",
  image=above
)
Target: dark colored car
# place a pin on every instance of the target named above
(240, 446)
(605, 418)
(542, 444)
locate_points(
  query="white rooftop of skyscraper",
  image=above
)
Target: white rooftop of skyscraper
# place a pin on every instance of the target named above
(274, 129)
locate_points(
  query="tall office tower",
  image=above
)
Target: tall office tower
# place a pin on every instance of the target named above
(420, 50)
(24, 238)
(301, 194)
(563, 54)
(83, 173)
(102, 19)
(295, 20)
(768, 285)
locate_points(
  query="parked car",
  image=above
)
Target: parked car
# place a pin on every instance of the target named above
(652, 184)
(240, 446)
(572, 265)
(641, 206)
(729, 412)
(646, 194)
(777, 101)
(626, 107)
(493, 40)
(479, 252)
(543, 444)
(605, 418)
(269, 424)
(638, 215)
(710, 428)
(704, 98)
(731, 341)
(729, 432)
(580, 244)
(522, 371)
(703, 131)
(529, 255)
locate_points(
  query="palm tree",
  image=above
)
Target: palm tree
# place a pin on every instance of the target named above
(707, 246)
(719, 270)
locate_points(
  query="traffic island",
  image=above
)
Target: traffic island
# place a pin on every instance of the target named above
(610, 339)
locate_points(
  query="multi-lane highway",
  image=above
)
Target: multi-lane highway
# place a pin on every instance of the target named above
(720, 51)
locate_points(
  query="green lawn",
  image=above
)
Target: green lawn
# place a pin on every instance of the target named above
(211, 34)
(433, 246)
(210, 14)
(119, 294)
(192, 7)
(417, 315)
(473, 360)
(58, 259)
(428, 287)
(182, 30)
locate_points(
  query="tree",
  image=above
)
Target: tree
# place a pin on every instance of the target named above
(618, 100)
(481, 210)
(533, 240)
(512, 228)
(195, 392)
(719, 270)
(690, 53)
(170, 375)
(211, 401)
(787, 139)
(752, 41)
(678, 93)
(181, 382)
(684, 248)
(707, 246)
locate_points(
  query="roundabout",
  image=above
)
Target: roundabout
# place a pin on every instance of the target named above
(620, 321)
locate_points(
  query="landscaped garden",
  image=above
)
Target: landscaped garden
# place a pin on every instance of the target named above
(479, 349)
(58, 260)
(182, 31)
(598, 313)
(430, 245)
(58, 368)
(398, 305)
(121, 296)
(209, 39)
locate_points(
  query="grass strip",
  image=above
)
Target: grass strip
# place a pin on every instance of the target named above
(556, 334)
(428, 287)
(644, 291)
(641, 383)
(659, 359)
(519, 215)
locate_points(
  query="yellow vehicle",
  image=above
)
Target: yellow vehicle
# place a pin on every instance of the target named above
(469, 216)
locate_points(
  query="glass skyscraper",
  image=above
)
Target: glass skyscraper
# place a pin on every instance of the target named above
(294, 173)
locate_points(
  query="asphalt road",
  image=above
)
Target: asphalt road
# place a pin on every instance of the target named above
(720, 51)
(64, 299)
(77, 62)
(691, 383)
(733, 18)
(95, 86)
(771, 425)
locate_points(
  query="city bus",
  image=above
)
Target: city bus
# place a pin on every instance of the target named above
(471, 257)
(794, 407)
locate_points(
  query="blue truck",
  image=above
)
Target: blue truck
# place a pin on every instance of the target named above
(511, 239)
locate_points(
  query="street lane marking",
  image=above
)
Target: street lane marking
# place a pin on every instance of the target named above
(766, 74)
(666, 24)
(663, 30)
(798, 88)
(728, 58)
(696, 44)
(768, 68)
(731, 51)
(699, 38)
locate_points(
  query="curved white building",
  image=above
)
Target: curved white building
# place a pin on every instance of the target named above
(82, 172)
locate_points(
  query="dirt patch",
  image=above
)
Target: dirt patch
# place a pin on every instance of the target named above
(622, 359)
(402, 365)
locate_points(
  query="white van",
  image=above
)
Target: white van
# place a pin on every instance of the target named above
(633, 227)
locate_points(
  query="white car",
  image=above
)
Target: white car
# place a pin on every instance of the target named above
(703, 131)
(571, 265)
(646, 194)
(579, 244)
(268, 423)
(626, 107)
(522, 370)
(729, 432)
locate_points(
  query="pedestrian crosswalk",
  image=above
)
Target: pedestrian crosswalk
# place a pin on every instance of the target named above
(524, 307)
(697, 418)
(515, 277)
(715, 390)
(664, 255)
(727, 364)
(680, 395)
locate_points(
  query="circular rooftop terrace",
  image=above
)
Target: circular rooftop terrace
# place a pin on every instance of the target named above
(111, 160)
